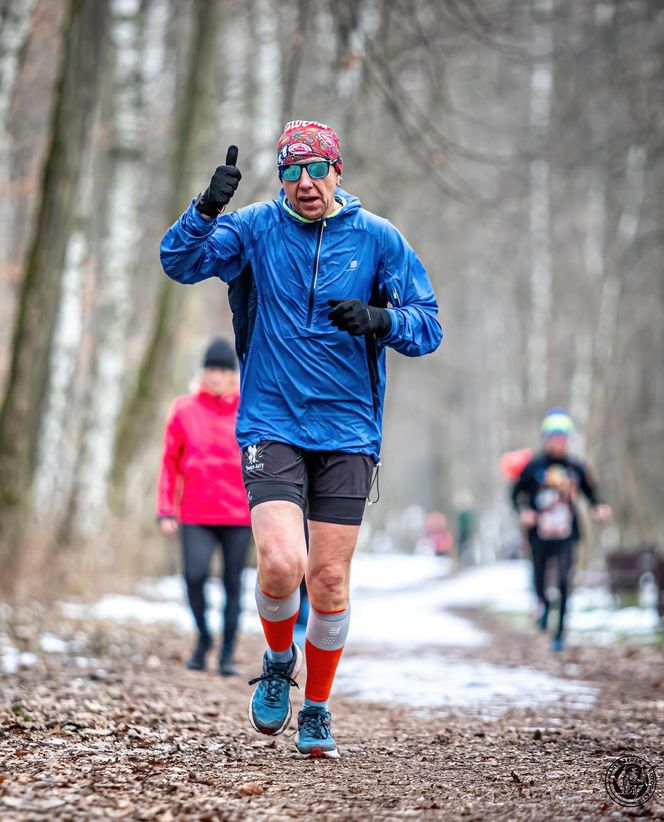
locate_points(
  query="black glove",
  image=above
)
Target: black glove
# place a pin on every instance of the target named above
(358, 318)
(222, 186)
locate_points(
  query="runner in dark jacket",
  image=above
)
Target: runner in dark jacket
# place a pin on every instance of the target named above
(201, 488)
(544, 496)
(319, 288)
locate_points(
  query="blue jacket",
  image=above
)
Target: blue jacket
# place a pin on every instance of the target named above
(303, 381)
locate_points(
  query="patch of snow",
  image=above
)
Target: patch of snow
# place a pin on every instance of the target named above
(501, 586)
(400, 613)
(51, 644)
(614, 621)
(395, 572)
(11, 659)
(507, 587)
(434, 681)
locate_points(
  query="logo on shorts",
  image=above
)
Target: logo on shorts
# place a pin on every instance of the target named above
(253, 454)
(630, 781)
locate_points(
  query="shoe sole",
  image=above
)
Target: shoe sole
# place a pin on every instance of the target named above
(319, 753)
(284, 725)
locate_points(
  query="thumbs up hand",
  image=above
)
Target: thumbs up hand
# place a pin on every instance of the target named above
(223, 184)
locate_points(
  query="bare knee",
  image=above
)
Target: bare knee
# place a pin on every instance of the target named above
(280, 568)
(328, 587)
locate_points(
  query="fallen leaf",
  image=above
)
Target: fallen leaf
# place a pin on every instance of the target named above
(249, 789)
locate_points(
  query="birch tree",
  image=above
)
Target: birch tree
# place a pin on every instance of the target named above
(23, 404)
(118, 263)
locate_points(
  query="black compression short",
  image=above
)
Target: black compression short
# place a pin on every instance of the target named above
(332, 486)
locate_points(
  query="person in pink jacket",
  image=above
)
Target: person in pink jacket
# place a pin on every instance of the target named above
(201, 494)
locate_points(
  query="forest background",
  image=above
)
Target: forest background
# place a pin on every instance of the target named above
(518, 144)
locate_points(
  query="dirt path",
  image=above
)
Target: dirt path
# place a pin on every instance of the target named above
(134, 736)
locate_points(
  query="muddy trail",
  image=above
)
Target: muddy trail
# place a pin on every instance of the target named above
(122, 731)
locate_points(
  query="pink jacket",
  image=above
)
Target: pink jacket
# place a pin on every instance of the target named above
(200, 481)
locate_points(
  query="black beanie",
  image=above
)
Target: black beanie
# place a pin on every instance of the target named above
(220, 354)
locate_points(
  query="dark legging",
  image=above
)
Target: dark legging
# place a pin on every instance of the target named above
(198, 544)
(562, 553)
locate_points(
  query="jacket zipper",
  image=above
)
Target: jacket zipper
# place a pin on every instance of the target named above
(314, 278)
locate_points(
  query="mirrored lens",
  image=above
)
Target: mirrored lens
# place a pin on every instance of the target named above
(318, 170)
(291, 173)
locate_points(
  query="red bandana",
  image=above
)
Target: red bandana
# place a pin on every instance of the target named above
(306, 139)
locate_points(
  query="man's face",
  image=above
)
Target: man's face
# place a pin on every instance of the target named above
(556, 445)
(312, 199)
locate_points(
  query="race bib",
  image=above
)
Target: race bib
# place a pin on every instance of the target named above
(555, 522)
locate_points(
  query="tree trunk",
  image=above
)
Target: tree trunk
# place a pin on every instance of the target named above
(137, 415)
(268, 103)
(118, 263)
(14, 23)
(541, 275)
(22, 409)
(56, 462)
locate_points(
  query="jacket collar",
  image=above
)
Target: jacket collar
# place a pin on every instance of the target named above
(212, 400)
(347, 203)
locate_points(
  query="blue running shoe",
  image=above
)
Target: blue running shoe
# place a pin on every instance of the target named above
(558, 643)
(270, 708)
(314, 733)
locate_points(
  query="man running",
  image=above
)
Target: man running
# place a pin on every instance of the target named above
(319, 288)
(544, 496)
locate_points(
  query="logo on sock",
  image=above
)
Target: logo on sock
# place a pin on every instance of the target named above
(331, 634)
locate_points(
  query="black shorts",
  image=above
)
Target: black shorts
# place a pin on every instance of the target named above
(330, 486)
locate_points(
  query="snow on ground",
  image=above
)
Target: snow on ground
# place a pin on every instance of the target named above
(11, 659)
(427, 680)
(406, 584)
(419, 593)
(395, 601)
(507, 587)
(402, 623)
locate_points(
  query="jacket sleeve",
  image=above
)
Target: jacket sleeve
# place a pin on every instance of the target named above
(521, 490)
(588, 486)
(405, 284)
(194, 249)
(170, 474)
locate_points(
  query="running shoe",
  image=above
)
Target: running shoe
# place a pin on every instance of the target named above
(558, 643)
(270, 708)
(226, 666)
(196, 661)
(314, 733)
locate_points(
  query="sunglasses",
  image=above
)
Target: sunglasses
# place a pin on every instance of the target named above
(317, 170)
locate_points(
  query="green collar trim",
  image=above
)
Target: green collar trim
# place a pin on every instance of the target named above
(293, 213)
